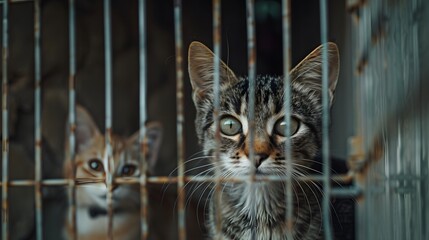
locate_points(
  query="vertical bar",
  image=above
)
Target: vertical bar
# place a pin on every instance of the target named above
(325, 121)
(251, 52)
(180, 117)
(108, 115)
(143, 117)
(5, 132)
(216, 90)
(37, 119)
(72, 116)
(287, 104)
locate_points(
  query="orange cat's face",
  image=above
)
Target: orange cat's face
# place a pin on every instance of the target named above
(92, 167)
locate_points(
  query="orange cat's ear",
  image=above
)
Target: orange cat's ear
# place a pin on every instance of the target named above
(86, 129)
(309, 70)
(201, 70)
(153, 137)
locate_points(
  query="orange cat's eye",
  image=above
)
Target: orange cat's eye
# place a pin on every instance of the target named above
(96, 165)
(128, 170)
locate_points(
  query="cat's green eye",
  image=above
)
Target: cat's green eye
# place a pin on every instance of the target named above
(230, 126)
(128, 170)
(96, 165)
(280, 126)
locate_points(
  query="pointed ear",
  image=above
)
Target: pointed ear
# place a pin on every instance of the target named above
(86, 129)
(309, 70)
(152, 140)
(201, 71)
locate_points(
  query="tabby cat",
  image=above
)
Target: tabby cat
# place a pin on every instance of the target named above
(91, 163)
(265, 199)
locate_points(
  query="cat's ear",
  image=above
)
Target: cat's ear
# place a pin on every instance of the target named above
(86, 129)
(153, 137)
(201, 71)
(309, 70)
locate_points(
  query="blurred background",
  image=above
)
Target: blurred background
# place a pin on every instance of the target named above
(383, 50)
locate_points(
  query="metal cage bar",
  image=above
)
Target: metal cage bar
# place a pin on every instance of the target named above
(5, 122)
(108, 115)
(180, 118)
(72, 117)
(251, 58)
(37, 118)
(325, 122)
(143, 116)
(287, 103)
(217, 38)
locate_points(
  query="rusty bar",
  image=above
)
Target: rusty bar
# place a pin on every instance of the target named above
(325, 121)
(251, 54)
(216, 116)
(342, 178)
(37, 119)
(287, 103)
(143, 116)
(180, 118)
(108, 158)
(5, 122)
(72, 116)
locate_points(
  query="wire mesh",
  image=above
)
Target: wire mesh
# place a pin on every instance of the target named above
(392, 119)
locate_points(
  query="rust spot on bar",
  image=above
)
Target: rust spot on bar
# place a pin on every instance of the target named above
(360, 162)
(379, 30)
(72, 79)
(362, 63)
(73, 128)
(5, 145)
(355, 5)
(38, 143)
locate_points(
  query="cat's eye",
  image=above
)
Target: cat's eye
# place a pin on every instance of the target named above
(96, 165)
(230, 126)
(128, 170)
(280, 126)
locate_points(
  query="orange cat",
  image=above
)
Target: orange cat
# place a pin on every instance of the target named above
(91, 164)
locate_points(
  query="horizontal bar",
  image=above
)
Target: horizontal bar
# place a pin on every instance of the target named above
(342, 178)
(346, 192)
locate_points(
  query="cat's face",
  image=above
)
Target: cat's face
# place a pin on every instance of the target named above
(269, 123)
(92, 163)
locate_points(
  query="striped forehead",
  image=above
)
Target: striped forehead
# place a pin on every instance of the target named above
(268, 97)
